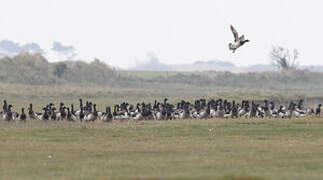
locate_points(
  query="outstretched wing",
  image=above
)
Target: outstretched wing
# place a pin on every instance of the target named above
(235, 33)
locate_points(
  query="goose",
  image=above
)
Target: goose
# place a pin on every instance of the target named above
(289, 113)
(220, 112)
(77, 113)
(267, 112)
(227, 115)
(254, 110)
(179, 112)
(31, 113)
(44, 116)
(309, 111)
(107, 117)
(23, 116)
(53, 116)
(8, 114)
(193, 112)
(300, 105)
(299, 113)
(15, 115)
(5, 106)
(81, 114)
(70, 116)
(281, 111)
(238, 41)
(161, 111)
(138, 114)
(50, 109)
(61, 115)
(100, 114)
(185, 112)
(134, 111)
(58, 116)
(72, 110)
(260, 113)
(227, 109)
(273, 111)
(117, 113)
(62, 111)
(234, 110)
(88, 108)
(213, 110)
(146, 112)
(244, 109)
(158, 113)
(318, 110)
(93, 115)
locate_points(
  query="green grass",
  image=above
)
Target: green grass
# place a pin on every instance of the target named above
(243, 149)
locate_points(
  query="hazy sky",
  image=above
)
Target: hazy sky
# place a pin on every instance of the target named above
(122, 32)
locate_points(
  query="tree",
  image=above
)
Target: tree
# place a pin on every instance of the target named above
(60, 69)
(283, 58)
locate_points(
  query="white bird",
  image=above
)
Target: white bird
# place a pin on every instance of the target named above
(238, 41)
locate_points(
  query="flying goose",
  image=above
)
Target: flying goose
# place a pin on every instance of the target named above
(238, 41)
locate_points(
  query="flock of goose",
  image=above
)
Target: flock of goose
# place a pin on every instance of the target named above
(201, 109)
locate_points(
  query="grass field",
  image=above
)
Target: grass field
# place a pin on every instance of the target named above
(267, 149)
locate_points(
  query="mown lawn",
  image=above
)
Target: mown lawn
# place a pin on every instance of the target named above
(192, 149)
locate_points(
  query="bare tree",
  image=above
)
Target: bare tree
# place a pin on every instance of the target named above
(283, 58)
